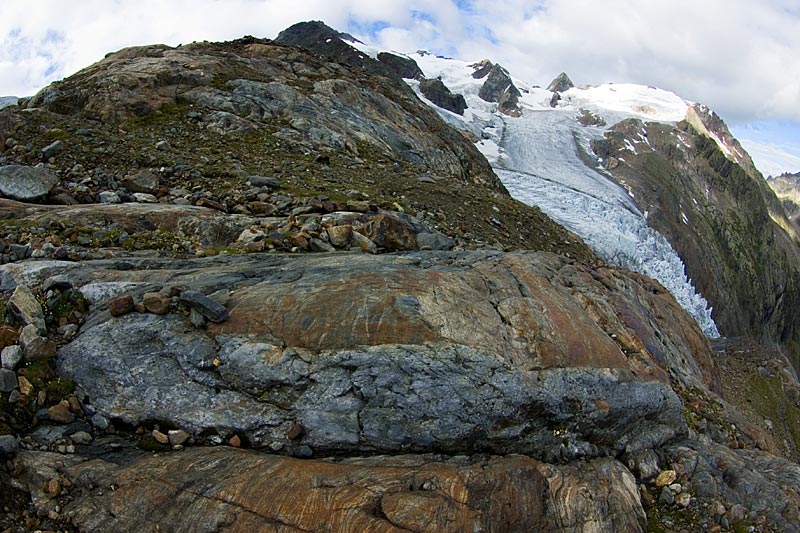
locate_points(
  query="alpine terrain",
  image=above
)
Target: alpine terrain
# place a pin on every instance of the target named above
(303, 284)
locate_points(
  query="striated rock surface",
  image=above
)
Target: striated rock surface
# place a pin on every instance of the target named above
(240, 490)
(428, 351)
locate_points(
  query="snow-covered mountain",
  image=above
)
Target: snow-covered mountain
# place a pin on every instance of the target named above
(540, 147)
(6, 101)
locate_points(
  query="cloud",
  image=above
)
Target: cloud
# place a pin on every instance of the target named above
(741, 61)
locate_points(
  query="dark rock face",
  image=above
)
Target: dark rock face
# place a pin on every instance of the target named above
(404, 67)
(482, 69)
(320, 39)
(726, 224)
(438, 93)
(560, 83)
(499, 88)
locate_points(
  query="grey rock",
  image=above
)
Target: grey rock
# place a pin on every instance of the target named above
(81, 437)
(26, 183)
(99, 421)
(24, 305)
(144, 198)
(162, 145)
(209, 308)
(555, 99)
(434, 241)
(11, 356)
(264, 181)
(108, 197)
(560, 83)
(144, 182)
(52, 149)
(8, 380)
(8, 445)
(316, 245)
(60, 283)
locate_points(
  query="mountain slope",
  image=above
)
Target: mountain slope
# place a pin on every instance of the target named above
(250, 287)
(650, 182)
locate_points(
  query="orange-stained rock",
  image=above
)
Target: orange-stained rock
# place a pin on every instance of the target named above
(237, 490)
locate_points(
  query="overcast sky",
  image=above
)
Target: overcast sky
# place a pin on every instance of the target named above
(741, 57)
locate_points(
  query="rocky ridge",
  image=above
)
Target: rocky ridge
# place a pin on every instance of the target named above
(183, 363)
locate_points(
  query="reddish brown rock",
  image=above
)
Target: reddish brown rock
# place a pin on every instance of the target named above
(8, 336)
(239, 490)
(390, 233)
(60, 413)
(121, 305)
(156, 303)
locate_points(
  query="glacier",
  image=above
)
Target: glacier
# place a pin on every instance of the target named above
(544, 159)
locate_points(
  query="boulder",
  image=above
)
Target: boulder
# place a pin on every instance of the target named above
(26, 183)
(144, 181)
(438, 93)
(27, 309)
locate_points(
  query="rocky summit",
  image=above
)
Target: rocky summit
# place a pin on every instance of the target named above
(266, 286)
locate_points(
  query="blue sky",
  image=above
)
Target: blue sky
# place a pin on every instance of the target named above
(742, 59)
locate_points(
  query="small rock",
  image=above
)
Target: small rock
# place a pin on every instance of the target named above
(145, 198)
(210, 309)
(156, 303)
(25, 386)
(8, 336)
(74, 405)
(52, 149)
(426, 179)
(359, 206)
(316, 245)
(177, 437)
(295, 432)
(197, 319)
(211, 204)
(35, 346)
(160, 437)
(8, 445)
(364, 243)
(235, 441)
(24, 305)
(142, 182)
(434, 241)
(53, 488)
(81, 437)
(215, 440)
(264, 181)
(99, 421)
(109, 197)
(56, 283)
(121, 305)
(60, 413)
(340, 236)
(666, 478)
(8, 380)
(676, 488)
(666, 497)
(11, 356)
(683, 499)
(162, 145)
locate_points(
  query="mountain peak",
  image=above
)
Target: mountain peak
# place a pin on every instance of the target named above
(560, 83)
